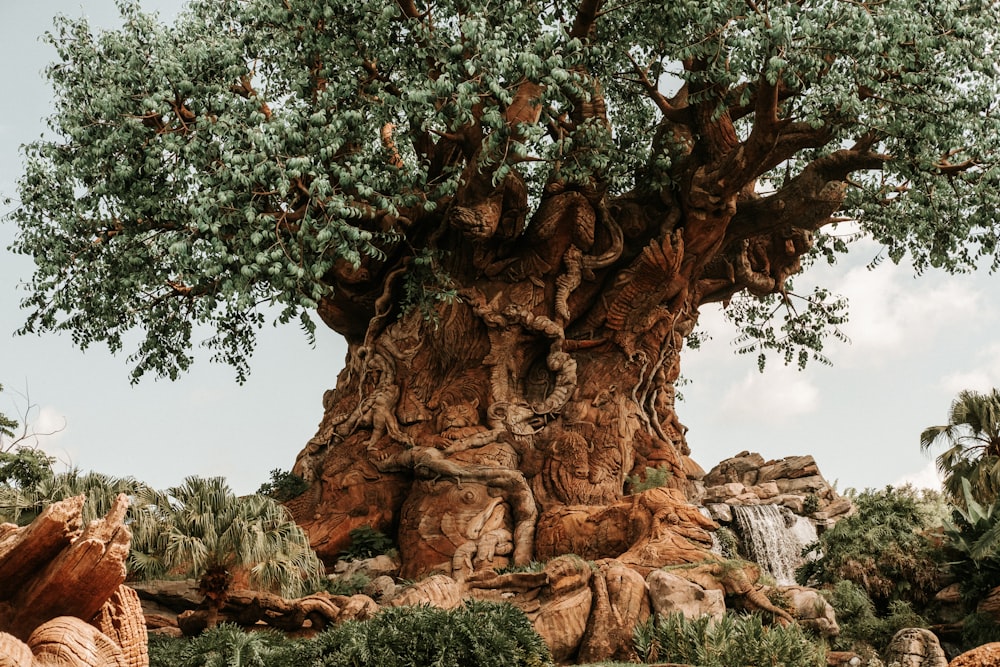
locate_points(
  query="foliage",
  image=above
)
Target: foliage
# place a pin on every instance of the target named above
(810, 505)
(485, 634)
(25, 467)
(347, 585)
(284, 486)
(860, 626)
(7, 425)
(488, 634)
(21, 504)
(366, 542)
(202, 529)
(973, 542)
(728, 543)
(651, 478)
(979, 629)
(972, 456)
(732, 641)
(245, 155)
(882, 548)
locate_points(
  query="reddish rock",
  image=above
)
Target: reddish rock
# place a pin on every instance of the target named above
(987, 655)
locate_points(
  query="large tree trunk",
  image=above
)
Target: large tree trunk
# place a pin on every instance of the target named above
(471, 435)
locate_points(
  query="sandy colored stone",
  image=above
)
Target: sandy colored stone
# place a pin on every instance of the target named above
(673, 594)
(987, 655)
(915, 647)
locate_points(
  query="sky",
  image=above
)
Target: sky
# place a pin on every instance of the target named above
(915, 342)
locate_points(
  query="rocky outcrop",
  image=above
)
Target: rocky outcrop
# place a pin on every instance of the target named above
(673, 594)
(62, 599)
(810, 609)
(987, 655)
(915, 647)
(794, 482)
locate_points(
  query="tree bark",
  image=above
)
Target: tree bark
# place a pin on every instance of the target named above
(62, 598)
(544, 385)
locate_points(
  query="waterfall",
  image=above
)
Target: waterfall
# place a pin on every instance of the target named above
(716, 545)
(773, 537)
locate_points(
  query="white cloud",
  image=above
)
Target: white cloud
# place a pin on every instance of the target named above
(985, 375)
(925, 478)
(773, 397)
(889, 318)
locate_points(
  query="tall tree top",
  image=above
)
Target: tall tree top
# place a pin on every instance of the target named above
(303, 153)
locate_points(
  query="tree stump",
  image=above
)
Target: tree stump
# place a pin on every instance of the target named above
(62, 598)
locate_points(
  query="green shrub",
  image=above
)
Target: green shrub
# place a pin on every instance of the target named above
(351, 585)
(366, 542)
(651, 478)
(732, 641)
(811, 504)
(883, 548)
(860, 626)
(979, 629)
(480, 633)
(283, 486)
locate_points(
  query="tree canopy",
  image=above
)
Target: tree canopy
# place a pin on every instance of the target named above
(307, 154)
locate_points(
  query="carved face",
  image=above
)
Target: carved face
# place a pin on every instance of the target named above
(458, 416)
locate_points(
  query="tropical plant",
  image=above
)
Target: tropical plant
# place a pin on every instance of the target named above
(973, 541)
(201, 529)
(972, 439)
(731, 641)
(883, 547)
(862, 629)
(21, 504)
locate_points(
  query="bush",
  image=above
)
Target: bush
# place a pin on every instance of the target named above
(366, 542)
(882, 548)
(283, 486)
(485, 634)
(651, 478)
(732, 641)
(860, 626)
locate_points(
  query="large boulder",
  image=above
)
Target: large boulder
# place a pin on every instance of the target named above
(915, 647)
(811, 610)
(987, 655)
(672, 594)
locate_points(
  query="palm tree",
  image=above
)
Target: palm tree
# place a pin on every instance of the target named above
(203, 530)
(22, 504)
(973, 438)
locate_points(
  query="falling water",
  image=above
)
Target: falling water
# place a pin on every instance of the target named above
(774, 537)
(716, 545)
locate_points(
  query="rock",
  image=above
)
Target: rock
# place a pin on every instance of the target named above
(670, 594)
(741, 468)
(987, 655)
(176, 595)
(790, 467)
(765, 491)
(720, 512)
(381, 588)
(990, 605)
(621, 601)
(915, 647)
(811, 610)
(371, 567)
(843, 659)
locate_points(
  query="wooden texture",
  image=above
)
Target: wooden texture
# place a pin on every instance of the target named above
(67, 605)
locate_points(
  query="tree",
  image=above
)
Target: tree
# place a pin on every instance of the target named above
(972, 436)
(201, 529)
(511, 211)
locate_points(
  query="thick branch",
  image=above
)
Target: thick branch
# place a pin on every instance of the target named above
(807, 201)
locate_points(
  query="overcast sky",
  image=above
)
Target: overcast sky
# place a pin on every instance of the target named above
(915, 342)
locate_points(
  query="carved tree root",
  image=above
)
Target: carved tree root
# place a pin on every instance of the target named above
(247, 608)
(62, 601)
